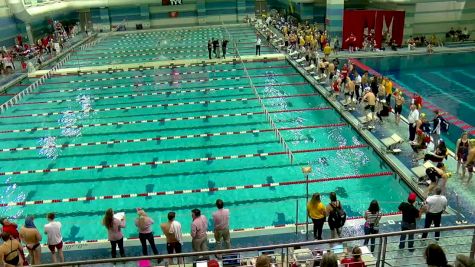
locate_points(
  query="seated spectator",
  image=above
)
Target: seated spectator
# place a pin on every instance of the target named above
(439, 155)
(355, 260)
(420, 142)
(384, 112)
(329, 260)
(394, 45)
(430, 50)
(465, 34)
(263, 261)
(435, 256)
(450, 34)
(411, 44)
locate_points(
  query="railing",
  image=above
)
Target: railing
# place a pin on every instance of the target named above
(268, 116)
(387, 252)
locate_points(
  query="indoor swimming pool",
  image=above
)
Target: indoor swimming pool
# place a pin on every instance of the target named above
(166, 45)
(174, 138)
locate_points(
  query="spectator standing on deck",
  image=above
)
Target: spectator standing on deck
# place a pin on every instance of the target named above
(316, 211)
(434, 206)
(336, 216)
(224, 44)
(412, 119)
(258, 46)
(55, 238)
(144, 225)
(210, 47)
(409, 216)
(399, 102)
(199, 226)
(371, 226)
(172, 232)
(221, 226)
(114, 232)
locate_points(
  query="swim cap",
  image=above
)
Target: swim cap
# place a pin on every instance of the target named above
(412, 197)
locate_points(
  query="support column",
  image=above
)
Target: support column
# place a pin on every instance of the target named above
(29, 34)
(334, 18)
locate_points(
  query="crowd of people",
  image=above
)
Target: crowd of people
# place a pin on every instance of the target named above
(457, 35)
(378, 97)
(23, 52)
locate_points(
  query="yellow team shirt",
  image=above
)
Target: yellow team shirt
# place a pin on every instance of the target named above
(302, 41)
(389, 87)
(316, 211)
(327, 50)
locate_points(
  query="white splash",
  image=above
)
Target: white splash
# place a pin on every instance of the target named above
(48, 147)
(11, 193)
(67, 123)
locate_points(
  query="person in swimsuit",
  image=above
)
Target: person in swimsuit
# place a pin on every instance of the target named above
(399, 99)
(461, 151)
(31, 237)
(10, 251)
(370, 99)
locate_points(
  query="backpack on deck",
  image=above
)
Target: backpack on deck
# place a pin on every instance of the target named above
(337, 216)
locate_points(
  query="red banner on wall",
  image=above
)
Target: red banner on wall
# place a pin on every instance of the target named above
(377, 23)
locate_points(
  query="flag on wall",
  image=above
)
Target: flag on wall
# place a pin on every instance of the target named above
(171, 2)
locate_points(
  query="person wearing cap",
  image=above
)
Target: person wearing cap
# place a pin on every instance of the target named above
(412, 119)
(399, 102)
(30, 235)
(409, 216)
(434, 206)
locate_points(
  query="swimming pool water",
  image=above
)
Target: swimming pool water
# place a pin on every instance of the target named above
(446, 80)
(165, 45)
(64, 111)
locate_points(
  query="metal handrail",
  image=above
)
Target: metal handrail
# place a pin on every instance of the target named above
(271, 247)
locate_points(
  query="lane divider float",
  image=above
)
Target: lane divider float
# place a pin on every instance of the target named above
(165, 105)
(193, 191)
(120, 123)
(164, 138)
(174, 161)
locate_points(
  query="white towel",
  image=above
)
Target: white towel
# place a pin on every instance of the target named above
(175, 228)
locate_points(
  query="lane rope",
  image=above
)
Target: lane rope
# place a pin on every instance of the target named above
(161, 92)
(158, 120)
(174, 161)
(166, 105)
(193, 191)
(140, 84)
(163, 138)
